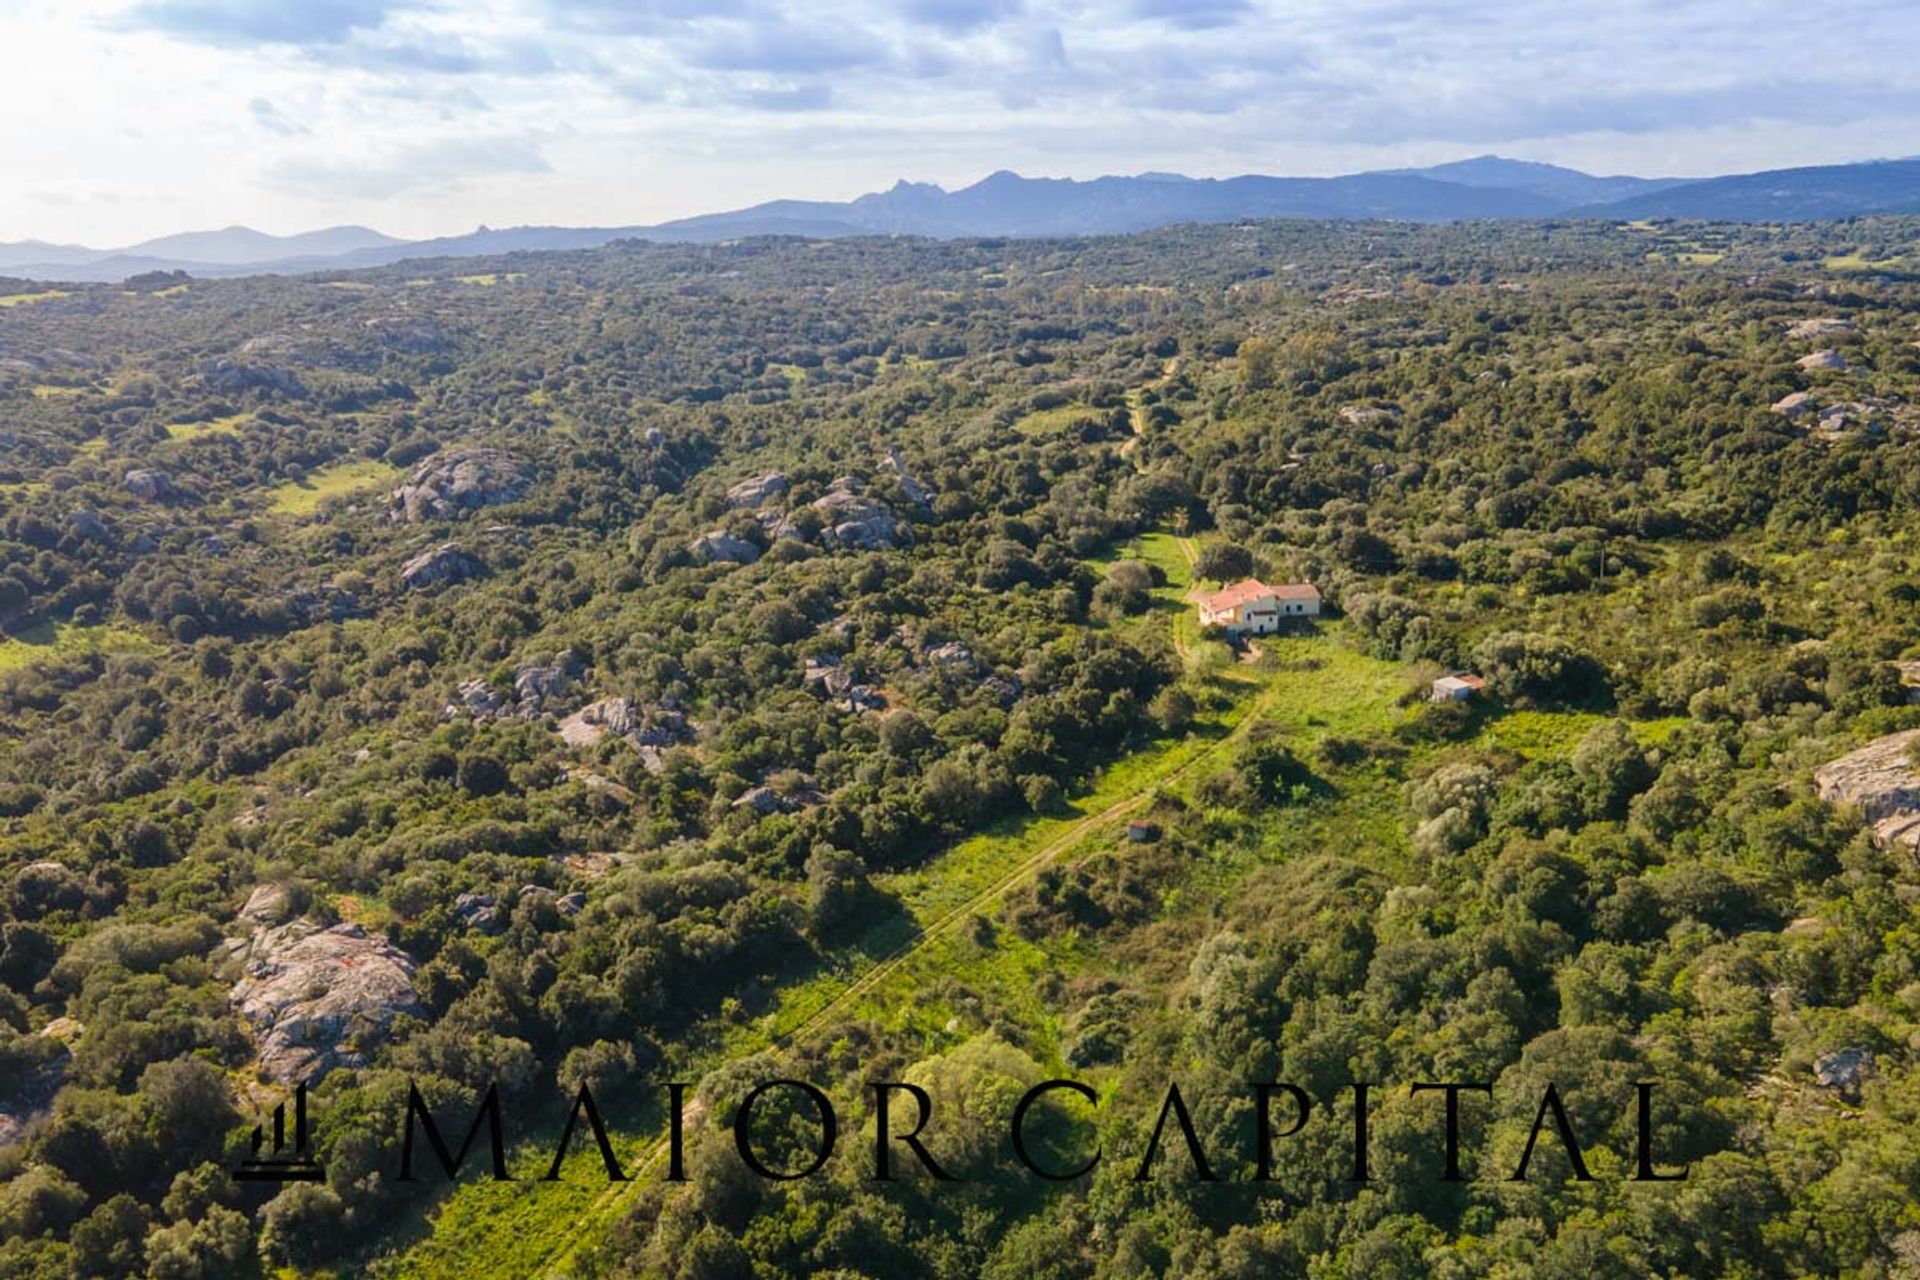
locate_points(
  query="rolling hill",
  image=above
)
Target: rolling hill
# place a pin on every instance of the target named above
(1008, 204)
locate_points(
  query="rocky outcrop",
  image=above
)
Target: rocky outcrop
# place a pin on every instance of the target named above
(477, 700)
(766, 801)
(857, 522)
(951, 656)
(640, 726)
(318, 998)
(1795, 405)
(1819, 327)
(148, 484)
(915, 492)
(232, 377)
(450, 485)
(537, 687)
(43, 1061)
(1879, 780)
(758, 491)
(440, 566)
(268, 905)
(1823, 360)
(478, 911)
(721, 547)
(827, 677)
(1844, 1071)
(1363, 415)
(87, 525)
(414, 335)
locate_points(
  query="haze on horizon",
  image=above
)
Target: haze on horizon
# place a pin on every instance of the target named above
(137, 118)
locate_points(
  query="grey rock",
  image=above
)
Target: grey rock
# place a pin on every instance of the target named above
(916, 492)
(864, 697)
(235, 376)
(477, 911)
(643, 727)
(721, 547)
(148, 484)
(779, 526)
(316, 999)
(268, 904)
(858, 523)
(1823, 360)
(618, 716)
(1881, 782)
(765, 800)
(476, 700)
(459, 482)
(537, 684)
(440, 566)
(1844, 1070)
(1793, 406)
(571, 904)
(756, 492)
(1819, 327)
(1004, 689)
(85, 524)
(951, 656)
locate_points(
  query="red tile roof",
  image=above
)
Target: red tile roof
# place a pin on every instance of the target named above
(1251, 589)
(1244, 592)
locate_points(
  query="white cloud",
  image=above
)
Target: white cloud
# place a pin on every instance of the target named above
(423, 117)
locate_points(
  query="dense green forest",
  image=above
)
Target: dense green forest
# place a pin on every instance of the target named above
(733, 662)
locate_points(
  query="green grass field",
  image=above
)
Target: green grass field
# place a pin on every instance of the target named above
(25, 299)
(47, 640)
(305, 497)
(1548, 734)
(180, 432)
(1858, 262)
(1047, 422)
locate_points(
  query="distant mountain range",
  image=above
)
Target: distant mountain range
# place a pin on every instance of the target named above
(1006, 204)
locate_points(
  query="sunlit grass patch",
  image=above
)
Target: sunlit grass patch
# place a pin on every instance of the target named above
(24, 299)
(47, 640)
(1046, 422)
(306, 496)
(487, 279)
(1860, 262)
(48, 391)
(1550, 734)
(227, 426)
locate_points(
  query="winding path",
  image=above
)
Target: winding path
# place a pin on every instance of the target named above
(554, 1263)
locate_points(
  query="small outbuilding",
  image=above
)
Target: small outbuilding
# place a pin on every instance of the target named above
(1456, 688)
(1140, 831)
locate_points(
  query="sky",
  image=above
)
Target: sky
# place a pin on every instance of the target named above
(128, 119)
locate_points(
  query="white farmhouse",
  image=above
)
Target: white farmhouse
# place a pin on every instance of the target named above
(1252, 608)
